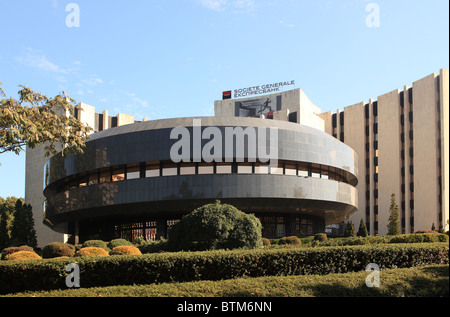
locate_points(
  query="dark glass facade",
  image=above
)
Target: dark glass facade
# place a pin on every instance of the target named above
(126, 185)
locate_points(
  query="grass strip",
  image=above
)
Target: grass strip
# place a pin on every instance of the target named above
(426, 281)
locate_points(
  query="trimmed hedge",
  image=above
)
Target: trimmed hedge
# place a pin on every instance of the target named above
(215, 265)
(11, 250)
(125, 250)
(58, 249)
(91, 252)
(22, 256)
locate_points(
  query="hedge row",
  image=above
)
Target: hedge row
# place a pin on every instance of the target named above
(420, 237)
(214, 265)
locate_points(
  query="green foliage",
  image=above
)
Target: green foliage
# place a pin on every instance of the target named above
(118, 242)
(362, 230)
(125, 250)
(266, 242)
(22, 229)
(8, 251)
(320, 237)
(7, 210)
(349, 230)
(91, 252)
(22, 256)
(153, 246)
(215, 226)
(58, 249)
(292, 240)
(35, 120)
(96, 244)
(394, 218)
(216, 265)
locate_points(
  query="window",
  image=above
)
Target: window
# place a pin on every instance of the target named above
(290, 169)
(276, 170)
(93, 178)
(133, 171)
(118, 175)
(205, 168)
(104, 177)
(261, 168)
(187, 169)
(223, 168)
(170, 169)
(245, 168)
(152, 169)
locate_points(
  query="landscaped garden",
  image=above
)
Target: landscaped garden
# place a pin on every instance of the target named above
(224, 257)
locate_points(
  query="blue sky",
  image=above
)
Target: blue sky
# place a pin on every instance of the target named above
(173, 58)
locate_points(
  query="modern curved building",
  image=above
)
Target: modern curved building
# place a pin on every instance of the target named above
(137, 178)
(134, 180)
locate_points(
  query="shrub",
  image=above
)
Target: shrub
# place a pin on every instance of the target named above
(22, 255)
(91, 251)
(217, 265)
(118, 242)
(125, 250)
(58, 249)
(12, 250)
(427, 231)
(293, 240)
(265, 242)
(153, 246)
(215, 226)
(96, 244)
(320, 237)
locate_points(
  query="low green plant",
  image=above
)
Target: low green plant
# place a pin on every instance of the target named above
(96, 244)
(118, 242)
(291, 240)
(58, 249)
(91, 251)
(125, 250)
(22, 256)
(320, 237)
(7, 251)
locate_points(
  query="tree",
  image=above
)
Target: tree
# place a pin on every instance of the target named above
(36, 120)
(4, 234)
(350, 230)
(22, 231)
(362, 231)
(215, 226)
(394, 217)
(7, 209)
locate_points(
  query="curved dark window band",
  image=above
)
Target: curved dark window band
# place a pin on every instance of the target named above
(169, 168)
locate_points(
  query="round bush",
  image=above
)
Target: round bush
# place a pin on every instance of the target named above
(215, 226)
(58, 249)
(96, 244)
(11, 250)
(91, 251)
(22, 255)
(320, 237)
(125, 250)
(293, 240)
(118, 242)
(265, 242)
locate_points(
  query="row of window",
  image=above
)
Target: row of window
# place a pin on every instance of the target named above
(168, 168)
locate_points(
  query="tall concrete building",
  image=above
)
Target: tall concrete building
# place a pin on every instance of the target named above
(402, 143)
(399, 143)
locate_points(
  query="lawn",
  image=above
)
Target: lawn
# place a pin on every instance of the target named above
(425, 281)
